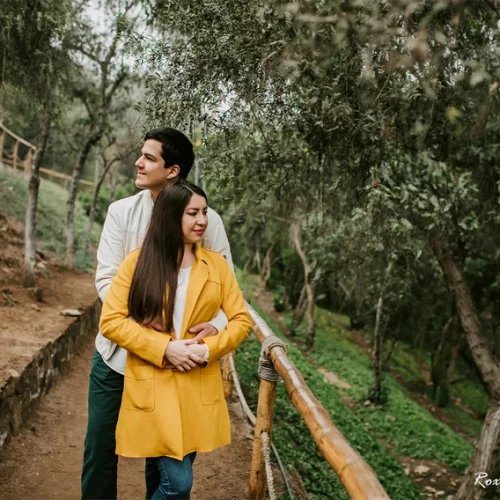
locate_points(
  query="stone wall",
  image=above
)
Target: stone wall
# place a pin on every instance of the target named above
(21, 392)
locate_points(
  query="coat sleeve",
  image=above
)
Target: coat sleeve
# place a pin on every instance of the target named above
(236, 311)
(110, 253)
(216, 240)
(116, 325)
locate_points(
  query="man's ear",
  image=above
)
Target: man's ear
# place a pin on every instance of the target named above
(175, 170)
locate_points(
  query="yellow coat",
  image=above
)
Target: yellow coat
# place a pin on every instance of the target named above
(165, 413)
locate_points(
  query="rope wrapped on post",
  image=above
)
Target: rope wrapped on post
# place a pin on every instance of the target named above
(266, 366)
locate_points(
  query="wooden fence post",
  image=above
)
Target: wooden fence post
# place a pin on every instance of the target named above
(227, 378)
(265, 411)
(14, 155)
(27, 163)
(1, 145)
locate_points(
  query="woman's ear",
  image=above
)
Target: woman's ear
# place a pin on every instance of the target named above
(175, 170)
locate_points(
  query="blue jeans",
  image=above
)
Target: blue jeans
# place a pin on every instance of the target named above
(168, 478)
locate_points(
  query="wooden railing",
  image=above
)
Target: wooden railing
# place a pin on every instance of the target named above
(356, 475)
(14, 157)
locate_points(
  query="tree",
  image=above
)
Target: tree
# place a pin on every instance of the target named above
(33, 59)
(111, 154)
(95, 94)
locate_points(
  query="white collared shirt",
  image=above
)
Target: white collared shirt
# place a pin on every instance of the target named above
(124, 230)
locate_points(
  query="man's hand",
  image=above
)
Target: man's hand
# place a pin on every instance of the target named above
(203, 330)
(181, 357)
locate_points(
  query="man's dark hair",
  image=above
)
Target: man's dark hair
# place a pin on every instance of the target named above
(176, 148)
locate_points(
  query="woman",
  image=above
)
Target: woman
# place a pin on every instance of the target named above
(170, 284)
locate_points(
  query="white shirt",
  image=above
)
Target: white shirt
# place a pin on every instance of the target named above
(124, 230)
(180, 299)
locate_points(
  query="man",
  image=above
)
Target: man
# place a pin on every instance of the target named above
(166, 155)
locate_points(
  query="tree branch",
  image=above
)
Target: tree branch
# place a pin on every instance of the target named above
(494, 5)
(116, 85)
(81, 94)
(85, 52)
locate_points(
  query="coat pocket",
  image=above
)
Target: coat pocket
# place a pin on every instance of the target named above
(211, 389)
(139, 388)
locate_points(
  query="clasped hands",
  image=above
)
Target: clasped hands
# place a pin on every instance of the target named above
(183, 355)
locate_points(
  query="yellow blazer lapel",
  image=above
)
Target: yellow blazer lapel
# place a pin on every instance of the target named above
(197, 280)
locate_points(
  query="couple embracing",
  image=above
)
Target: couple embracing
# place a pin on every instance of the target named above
(171, 309)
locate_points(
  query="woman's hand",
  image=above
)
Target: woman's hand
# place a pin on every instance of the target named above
(180, 356)
(200, 350)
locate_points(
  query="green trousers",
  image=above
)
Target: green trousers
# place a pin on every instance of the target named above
(100, 464)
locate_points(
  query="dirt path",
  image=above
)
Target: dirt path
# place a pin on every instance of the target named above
(43, 462)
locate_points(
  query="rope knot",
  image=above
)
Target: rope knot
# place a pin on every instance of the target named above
(266, 367)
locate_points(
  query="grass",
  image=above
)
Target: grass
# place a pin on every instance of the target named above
(293, 439)
(406, 427)
(50, 216)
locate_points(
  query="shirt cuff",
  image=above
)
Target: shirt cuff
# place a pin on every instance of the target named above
(219, 322)
(207, 355)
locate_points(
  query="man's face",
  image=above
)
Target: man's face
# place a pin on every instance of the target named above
(151, 171)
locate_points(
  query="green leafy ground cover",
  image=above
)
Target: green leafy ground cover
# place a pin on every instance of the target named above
(293, 439)
(405, 426)
(50, 217)
(378, 434)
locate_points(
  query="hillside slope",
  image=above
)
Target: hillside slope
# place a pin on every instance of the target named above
(414, 454)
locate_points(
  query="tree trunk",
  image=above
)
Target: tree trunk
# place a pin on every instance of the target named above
(486, 457)
(114, 184)
(98, 186)
(73, 191)
(34, 184)
(376, 392)
(311, 325)
(441, 364)
(300, 308)
(485, 359)
(453, 361)
(265, 270)
(247, 264)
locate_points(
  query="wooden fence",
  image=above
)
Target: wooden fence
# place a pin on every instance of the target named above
(13, 155)
(356, 475)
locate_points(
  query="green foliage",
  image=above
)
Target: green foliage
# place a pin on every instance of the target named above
(32, 55)
(408, 428)
(50, 217)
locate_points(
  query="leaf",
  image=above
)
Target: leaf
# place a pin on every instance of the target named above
(434, 202)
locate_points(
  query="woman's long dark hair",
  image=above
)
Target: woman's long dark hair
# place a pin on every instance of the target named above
(152, 292)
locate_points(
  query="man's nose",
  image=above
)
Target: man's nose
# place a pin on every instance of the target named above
(139, 163)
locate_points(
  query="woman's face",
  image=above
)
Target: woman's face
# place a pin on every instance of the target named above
(194, 219)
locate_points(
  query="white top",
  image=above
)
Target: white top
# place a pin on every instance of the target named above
(124, 230)
(180, 299)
